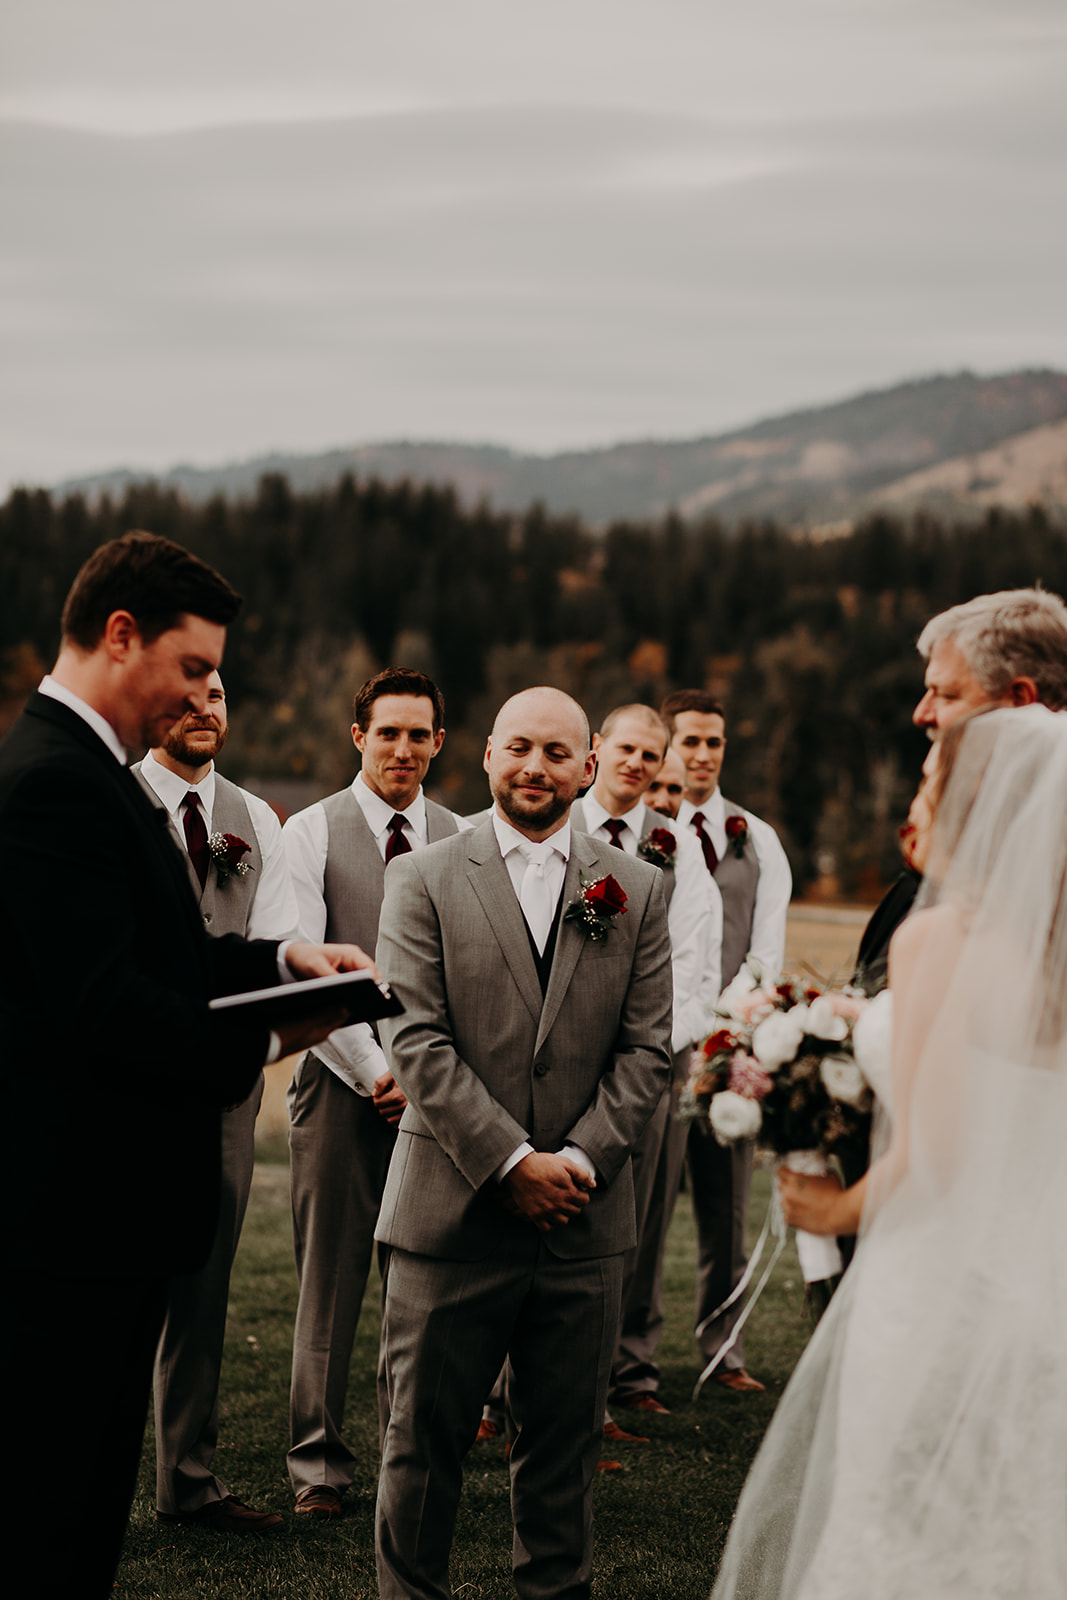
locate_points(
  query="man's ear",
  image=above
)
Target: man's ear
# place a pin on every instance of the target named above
(120, 633)
(357, 736)
(597, 742)
(1023, 692)
(438, 741)
(488, 753)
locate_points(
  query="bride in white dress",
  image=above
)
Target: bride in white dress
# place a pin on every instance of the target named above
(920, 1450)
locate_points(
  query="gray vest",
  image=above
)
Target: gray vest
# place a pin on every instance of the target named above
(354, 878)
(738, 879)
(579, 824)
(225, 904)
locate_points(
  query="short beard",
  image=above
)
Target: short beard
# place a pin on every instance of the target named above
(522, 815)
(176, 747)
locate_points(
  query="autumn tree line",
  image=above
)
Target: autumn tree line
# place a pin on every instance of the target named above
(810, 643)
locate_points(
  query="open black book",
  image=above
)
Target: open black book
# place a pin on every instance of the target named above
(365, 1000)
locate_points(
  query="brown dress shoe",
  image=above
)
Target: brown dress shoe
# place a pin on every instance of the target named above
(740, 1381)
(604, 1465)
(320, 1501)
(228, 1515)
(618, 1435)
(487, 1429)
(642, 1400)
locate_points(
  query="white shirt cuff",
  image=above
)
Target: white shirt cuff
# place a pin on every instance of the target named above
(579, 1158)
(513, 1160)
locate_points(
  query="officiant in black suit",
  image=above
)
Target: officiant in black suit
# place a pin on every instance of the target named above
(114, 1069)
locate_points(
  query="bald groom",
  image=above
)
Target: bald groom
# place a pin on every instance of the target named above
(532, 1055)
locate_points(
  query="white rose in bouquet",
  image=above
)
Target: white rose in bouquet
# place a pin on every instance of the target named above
(843, 1080)
(776, 1039)
(729, 1002)
(733, 1117)
(823, 1021)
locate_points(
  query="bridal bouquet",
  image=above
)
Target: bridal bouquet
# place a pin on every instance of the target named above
(781, 1068)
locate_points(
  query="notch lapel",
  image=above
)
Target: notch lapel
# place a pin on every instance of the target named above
(569, 940)
(491, 883)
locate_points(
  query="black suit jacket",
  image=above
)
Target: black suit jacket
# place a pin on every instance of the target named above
(114, 1070)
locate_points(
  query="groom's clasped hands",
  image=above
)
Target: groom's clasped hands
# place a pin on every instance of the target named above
(547, 1189)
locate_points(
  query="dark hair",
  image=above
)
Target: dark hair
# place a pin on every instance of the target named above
(690, 700)
(398, 680)
(155, 580)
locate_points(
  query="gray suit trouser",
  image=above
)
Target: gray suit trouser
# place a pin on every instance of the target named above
(189, 1356)
(720, 1180)
(658, 1163)
(448, 1327)
(339, 1149)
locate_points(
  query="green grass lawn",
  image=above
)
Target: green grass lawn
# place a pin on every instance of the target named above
(661, 1522)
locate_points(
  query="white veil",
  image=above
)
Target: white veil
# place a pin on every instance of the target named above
(920, 1450)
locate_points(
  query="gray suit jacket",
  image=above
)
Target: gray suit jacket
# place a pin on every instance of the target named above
(486, 1062)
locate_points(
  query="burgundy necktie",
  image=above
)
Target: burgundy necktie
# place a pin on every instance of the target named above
(196, 836)
(710, 858)
(615, 828)
(398, 844)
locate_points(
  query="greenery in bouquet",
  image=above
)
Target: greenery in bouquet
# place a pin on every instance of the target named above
(780, 1068)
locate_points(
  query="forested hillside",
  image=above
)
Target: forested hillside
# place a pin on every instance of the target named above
(809, 643)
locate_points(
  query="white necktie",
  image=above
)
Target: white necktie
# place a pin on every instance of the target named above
(535, 897)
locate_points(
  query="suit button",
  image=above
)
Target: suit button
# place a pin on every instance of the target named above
(540, 1069)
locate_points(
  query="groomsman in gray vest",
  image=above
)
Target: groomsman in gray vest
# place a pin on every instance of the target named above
(630, 750)
(747, 861)
(344, 1104)
(222, 829)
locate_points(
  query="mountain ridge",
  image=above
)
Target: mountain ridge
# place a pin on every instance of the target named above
(955, 440)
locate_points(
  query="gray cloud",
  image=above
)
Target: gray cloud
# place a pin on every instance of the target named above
(729, 221)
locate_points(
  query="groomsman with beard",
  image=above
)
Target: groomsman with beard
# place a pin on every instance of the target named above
(344, 1104)
(630, 750)
(180, 775)
(743, 855)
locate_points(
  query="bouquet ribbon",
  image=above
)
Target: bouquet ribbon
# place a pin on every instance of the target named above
(819, 1258)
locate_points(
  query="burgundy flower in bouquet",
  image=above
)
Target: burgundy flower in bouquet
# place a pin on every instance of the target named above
(658, 847)
(227, 849)
(596, 905)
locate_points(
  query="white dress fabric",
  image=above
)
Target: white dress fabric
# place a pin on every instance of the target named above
(920, 1450)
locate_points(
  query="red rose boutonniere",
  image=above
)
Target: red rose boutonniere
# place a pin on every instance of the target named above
(226, 852)
(736, 835)
(596, 905)
(658, 847)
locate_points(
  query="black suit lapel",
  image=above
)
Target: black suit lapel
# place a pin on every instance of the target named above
(150, 819)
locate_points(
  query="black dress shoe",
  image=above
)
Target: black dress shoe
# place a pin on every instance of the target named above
(228, 1515)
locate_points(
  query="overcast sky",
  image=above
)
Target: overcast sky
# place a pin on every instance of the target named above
(237, 225)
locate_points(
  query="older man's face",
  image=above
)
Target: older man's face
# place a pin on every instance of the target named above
(952, 690)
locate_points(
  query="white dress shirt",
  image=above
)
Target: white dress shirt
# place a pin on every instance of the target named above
(273, 913)
(694, 916)
(775, 884)
(513, 846)
(352, 1053)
